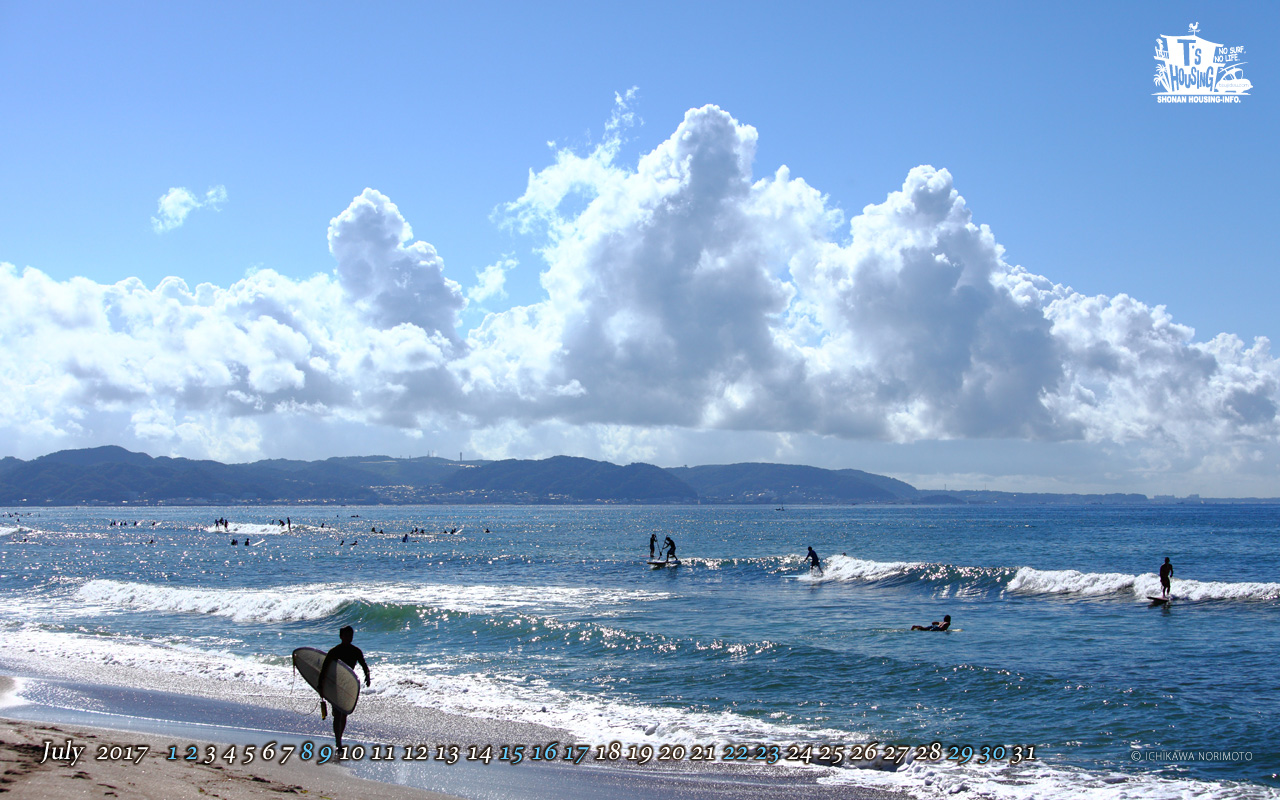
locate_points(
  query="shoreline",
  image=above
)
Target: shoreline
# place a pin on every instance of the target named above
(99, 714)
(112, 764)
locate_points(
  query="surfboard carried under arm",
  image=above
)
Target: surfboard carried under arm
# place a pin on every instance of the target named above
(341, 686)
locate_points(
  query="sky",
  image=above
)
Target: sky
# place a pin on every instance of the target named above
(959, 245)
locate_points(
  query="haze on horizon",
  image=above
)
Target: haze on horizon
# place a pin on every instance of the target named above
(673, 299)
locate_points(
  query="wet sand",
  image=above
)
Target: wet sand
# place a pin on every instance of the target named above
(24, 745)
(115, 716)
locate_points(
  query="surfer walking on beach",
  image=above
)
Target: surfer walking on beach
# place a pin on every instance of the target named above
(1166, 574)
(350, 655)
(814, 562)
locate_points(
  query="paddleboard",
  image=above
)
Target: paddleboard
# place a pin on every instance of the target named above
(341, 686)
(661, 564)
(1158, 600)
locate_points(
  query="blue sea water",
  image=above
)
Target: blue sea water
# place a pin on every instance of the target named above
(551, 615)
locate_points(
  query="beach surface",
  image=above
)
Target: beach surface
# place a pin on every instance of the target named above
(25, 745)
(39, 744)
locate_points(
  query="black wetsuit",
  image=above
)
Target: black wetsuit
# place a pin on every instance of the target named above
(1166, 573)
(349, 654)
(933, 626)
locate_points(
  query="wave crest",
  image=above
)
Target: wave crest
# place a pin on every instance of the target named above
(969, 580)
(317, 601)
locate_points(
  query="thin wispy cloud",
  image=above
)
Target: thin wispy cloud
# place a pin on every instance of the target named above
(174, 206)
(684, 296)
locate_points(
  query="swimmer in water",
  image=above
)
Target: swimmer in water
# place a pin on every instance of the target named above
(934, 626)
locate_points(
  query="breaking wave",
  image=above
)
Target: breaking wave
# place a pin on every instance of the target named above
(967, 580)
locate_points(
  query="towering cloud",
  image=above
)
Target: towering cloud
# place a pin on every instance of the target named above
(392, 279)
(682, 294)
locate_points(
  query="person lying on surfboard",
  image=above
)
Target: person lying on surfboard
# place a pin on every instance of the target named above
(350, 655)
(935, 626)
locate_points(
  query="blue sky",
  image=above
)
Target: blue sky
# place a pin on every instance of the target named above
(1042, 116)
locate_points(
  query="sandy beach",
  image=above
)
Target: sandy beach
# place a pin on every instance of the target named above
(43, 759)
(25, 745)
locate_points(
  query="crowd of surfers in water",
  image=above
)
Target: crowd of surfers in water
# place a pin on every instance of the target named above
(17, 520)
(287, 524)
(667, 552)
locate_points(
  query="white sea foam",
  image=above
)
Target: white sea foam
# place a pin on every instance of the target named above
(12, 697)
(526, 697)
(1069, 581)
(316, 601)
(848, 568)
(1042, 781)
(1096, 584)
(515, 696)
(248, 528)
(1212, 590)
(1031, 581)
(146, 656)
(241, 605)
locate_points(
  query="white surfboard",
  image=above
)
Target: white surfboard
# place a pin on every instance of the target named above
(341, 686)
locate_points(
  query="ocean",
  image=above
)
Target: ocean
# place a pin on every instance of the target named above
(550, 615)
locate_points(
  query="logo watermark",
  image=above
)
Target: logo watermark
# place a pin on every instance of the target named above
(1190, 69)
(1186, 756)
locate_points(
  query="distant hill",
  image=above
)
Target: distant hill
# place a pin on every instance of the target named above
(790, 483)
(568, 478)
(96, 456)
(1043, 498)
(113, 475)
(116, 475)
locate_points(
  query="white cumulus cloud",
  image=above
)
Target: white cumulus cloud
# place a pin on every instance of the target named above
(491, 281)
(175, 204)
(686, 300)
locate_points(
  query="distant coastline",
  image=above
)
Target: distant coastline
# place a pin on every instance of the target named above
(111, 476)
